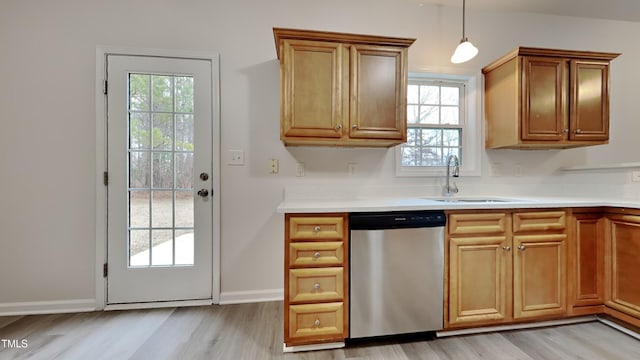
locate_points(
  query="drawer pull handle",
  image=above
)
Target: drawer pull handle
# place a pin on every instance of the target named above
(522, 247)
(317, 323)
(316, 255)
(317, 228)
(316, 286)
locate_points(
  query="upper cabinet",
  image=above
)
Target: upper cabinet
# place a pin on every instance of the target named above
(342, 89)
(546, 99)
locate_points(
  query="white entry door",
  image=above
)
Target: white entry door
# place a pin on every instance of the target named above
(160, 180)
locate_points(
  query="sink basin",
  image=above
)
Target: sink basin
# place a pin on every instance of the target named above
(478, 200)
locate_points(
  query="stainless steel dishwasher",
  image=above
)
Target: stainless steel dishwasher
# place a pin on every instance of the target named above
(397, 273)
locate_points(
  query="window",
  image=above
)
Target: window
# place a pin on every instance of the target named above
(438, 125)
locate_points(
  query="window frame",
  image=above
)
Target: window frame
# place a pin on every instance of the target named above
(470, 128)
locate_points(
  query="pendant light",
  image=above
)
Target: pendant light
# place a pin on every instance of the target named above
(465, 50)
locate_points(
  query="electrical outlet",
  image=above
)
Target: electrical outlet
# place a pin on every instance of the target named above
(236, 157)
(517, 170)
(635, 176)
(351, 169)
(300, 169)
(273, 166)
(496, 169)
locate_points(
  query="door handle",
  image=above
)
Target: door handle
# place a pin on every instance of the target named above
(203, 193)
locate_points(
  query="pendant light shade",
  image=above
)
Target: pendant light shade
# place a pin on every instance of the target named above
(465, 50)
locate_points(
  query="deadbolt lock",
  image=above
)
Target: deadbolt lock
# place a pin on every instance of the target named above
(204, 176)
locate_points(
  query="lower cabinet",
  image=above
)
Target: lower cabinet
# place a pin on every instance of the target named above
(501, 266)
(622, 249)
(316, 278)
(505, 266)
(586, 281)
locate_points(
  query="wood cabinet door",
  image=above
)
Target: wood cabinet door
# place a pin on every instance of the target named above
(586, 259)
(544, 98)
(378, 98)
(479, 280)
(589, 114)
(539, 275)
(312, 74)
(623, 250)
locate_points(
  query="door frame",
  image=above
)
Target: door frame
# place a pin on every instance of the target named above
(101, 166)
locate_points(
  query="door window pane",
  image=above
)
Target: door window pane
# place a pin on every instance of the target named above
(161, 200)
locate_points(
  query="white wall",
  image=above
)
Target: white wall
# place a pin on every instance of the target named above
(47, 107)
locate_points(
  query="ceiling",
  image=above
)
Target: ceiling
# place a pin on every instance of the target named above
(626, 10)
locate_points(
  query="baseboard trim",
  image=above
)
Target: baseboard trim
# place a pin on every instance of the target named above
(312, 347)
(620, 328)
(242, 297)
(486, 329)
(47, 307)
(157, 305)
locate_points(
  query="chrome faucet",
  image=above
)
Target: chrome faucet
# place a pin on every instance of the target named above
(451, 187)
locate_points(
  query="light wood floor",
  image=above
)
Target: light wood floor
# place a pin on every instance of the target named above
(254, 331)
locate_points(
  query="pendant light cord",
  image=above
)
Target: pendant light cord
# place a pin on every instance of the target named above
(463, 18)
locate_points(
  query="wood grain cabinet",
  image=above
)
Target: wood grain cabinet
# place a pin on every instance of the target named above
(479, 269)
(622, 269)
(586, 262)
(544, 98)
(539, 264)
(316, 278)
(505, 266)
(341, 89)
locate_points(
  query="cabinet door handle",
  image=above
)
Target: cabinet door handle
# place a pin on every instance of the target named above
(339, 127)
(354, 126)
(578, 131)
(522, 247)
(506, 248)
(565, 131)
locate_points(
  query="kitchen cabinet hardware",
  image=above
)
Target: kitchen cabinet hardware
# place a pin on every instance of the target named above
(522, 247)
(506, 248)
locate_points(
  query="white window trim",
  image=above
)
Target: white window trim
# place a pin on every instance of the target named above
(471, 138)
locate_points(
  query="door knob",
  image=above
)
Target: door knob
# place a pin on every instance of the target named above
(203, 193)
(204, 176)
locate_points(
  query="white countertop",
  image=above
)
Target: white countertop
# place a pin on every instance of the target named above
(431, 203)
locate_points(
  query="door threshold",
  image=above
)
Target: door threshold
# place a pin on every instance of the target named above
(157, 304)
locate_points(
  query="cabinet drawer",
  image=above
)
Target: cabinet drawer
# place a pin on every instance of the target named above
(539, 221)
(329, 253)
(312, 228)
(306, 285)
(316, 320)
(482, 223)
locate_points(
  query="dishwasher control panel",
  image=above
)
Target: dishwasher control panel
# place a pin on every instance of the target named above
(396, 220)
